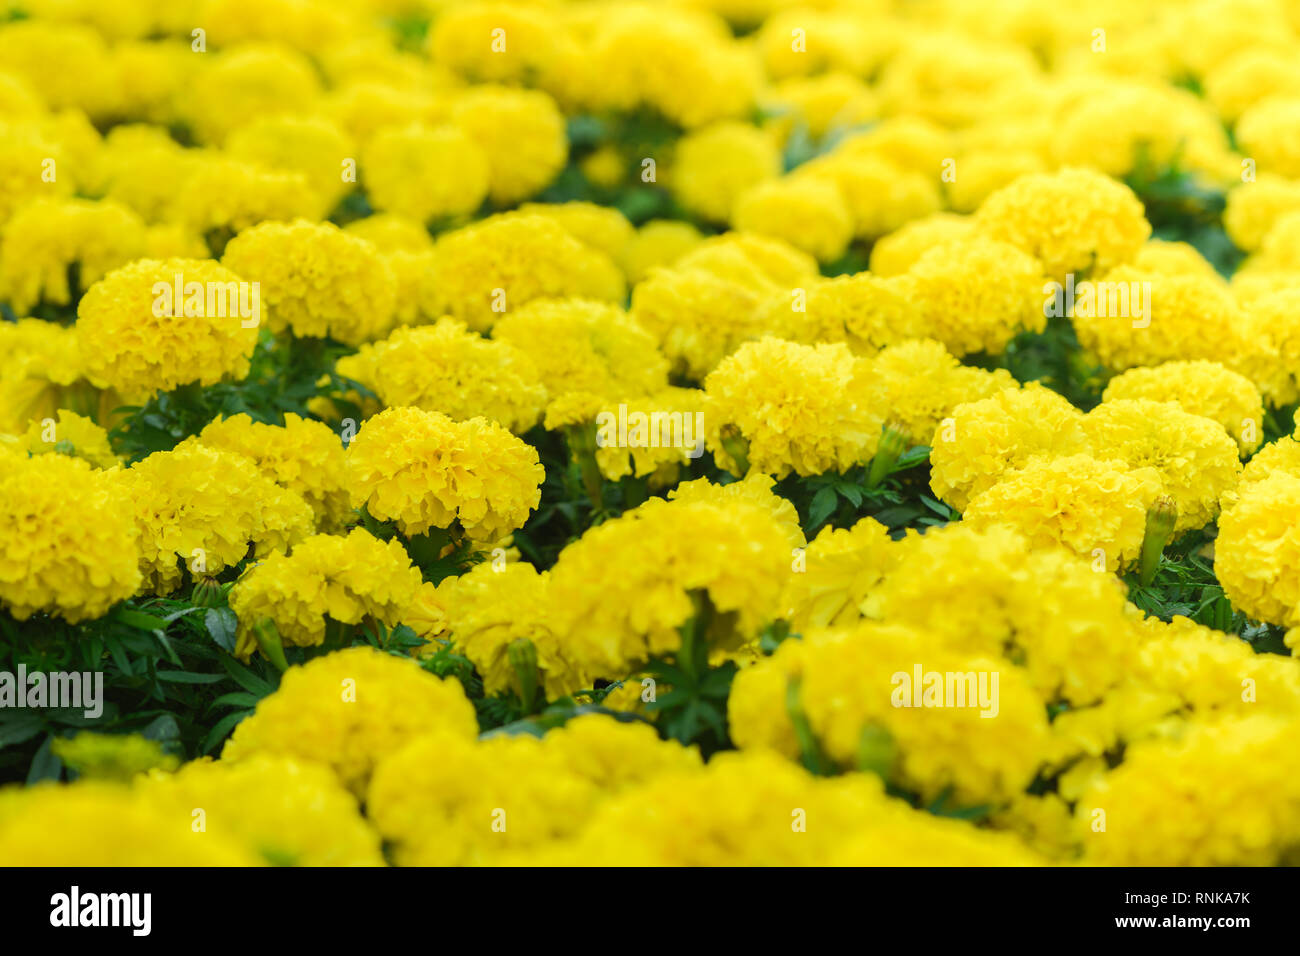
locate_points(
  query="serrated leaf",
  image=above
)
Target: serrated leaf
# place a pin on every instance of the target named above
(222, 625)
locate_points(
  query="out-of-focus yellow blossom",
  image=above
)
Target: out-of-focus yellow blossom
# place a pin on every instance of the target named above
(71, 434)
(660, 242)
(201, 508)
(93, 823)
(139, 336)
(250, 80)
(714, 166)
(1267, 133)
(424, 470)
(221, 196)
(289, 812)
(597, 226)
(521, 134)
(29, 47)
(821, 105)
(805, 211)
(349, 579)
(1253, 208)
(112, 756)
(1202, 388)
(1245, 78)
(879, 195)
(429, 173)
(46, 237)
(896, 253)
(838, 570)
(69, 545)
(349, 710)
(313, 146)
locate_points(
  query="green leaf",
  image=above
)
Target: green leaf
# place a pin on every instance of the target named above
(822, 506)
(20, 729)
(139, 620)
(245, 678)
(224, 726)
(186, 677)
(222, 624)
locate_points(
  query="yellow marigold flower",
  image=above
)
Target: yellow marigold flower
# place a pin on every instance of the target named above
(94, 823)
(1281, 455)
(712, 300)
(645, 435)
(600, 227)
(660, 242)
(18, 97)
(69, 547)
(835, 574)
(1237, 784)
(1119, 123)
(364, 106)
(44, 372)
(303, 26)
(72, 434)
(148, 75)
(1254, 208)
(805, 211)
(505, 261)
(896, 253)
(1244, 79)
(534, 47)
(436, 800)
(1277, 251)
(313, 146)
(46, 237)
(316, 279)
(201, 508)
(823, 104)
(617, 754)
(347, 579)
(1097, 509)
(649, 561)
(920, 383)
(112, 756)
(221, 196)
(138, 338)
(392, 232)
(1073, 221)
(754, 489)
(141, 165)
(832, 40)
(757, 713)
(287, 811)
(863, 311)
(446, 368)
(986, 593)
(879, 195)
(1164, 257)
(522, 134)
(424, 470)
(1202, 388)
(425, 172)
(801, 408)
(1197, 460)
(1267, 132)
(349, 710)
(28, 47)
(953, 80)
(1169, 317)
(1256, 551)
(995, 435)
(304, 456)
(496, 604)
(975, 295)
(1273, 330)
(581, 345)
(249, 80)
(984, 173)
(715, 165)
(639, 57)
(23, 154)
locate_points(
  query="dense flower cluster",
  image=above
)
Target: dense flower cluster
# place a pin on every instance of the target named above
(619, 434)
